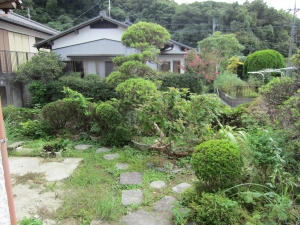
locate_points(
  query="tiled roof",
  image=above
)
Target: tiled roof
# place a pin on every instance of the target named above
(19, 20)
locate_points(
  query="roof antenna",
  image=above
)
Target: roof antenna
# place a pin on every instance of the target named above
(28, 12)
(109, 8)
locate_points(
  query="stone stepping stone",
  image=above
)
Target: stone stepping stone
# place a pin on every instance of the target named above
(122, 166)
(177, 171)
(99, 222)
(158, 184)
(131, 178)
(139, 217)
(111, 156)
(164, 205)
(132, 197)
(15, 145)
(162, 219)
(103, 149)
(82, 147)
(181, 187)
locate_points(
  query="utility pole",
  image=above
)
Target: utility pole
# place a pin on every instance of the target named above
(214, 25)
(292, 32)
(109, 8)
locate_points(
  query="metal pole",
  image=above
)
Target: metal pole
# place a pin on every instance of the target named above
(292, 33)
(10, 198)
(109, 8)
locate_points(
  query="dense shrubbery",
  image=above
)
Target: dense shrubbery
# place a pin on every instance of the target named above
(217, 162)
(186, 80)
(226, 80)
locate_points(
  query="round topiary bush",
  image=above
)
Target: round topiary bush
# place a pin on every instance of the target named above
(263, 59)
(217, 162)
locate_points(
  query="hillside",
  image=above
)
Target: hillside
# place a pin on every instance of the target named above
(256, 25)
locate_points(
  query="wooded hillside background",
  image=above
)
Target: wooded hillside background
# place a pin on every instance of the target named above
(256, 25)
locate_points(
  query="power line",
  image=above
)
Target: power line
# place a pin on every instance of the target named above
(88, 10)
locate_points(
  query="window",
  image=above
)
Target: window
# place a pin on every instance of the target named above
(109, 66)
(165, 66)
(176, 66)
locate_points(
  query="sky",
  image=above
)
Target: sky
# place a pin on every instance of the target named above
(277, 4)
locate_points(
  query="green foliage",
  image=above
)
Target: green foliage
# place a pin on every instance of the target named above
(57, 145)
(39, 92)
(226, 80)
(224, 45)
(91, 86)
(135, 91)
(30, 221)
(263, 59)
(211, 209)
(217, 162)
(65, 114)
(144, 35)
(290, 115)
(119, 136)
(45, 66)
(186, 80)
(266, 153)
(35, 129)
(276, 92)
(109, 115)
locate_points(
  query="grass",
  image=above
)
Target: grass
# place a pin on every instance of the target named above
(93, 189)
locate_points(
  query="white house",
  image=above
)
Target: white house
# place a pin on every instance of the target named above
(90, 46)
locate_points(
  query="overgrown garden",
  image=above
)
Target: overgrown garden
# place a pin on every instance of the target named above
(245, 159)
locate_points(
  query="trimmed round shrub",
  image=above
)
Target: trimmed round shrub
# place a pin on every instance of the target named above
(108, 114)
(217, 162)
(262, 60)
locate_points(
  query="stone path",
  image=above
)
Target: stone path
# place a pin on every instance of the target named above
(162, 209)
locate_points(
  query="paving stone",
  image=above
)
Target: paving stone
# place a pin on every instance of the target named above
(181, 187)
(103, 149)
(164, 206)
(122, 166)
(82, 147)
(111, 156)
(98, 222)
(140, 217)
(150, 165)
(177, 171)
(162, 170)
(131, 178)
(132, 197)
(13, 146)
(162, 219)
(158, 184)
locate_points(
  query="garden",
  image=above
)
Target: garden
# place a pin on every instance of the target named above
(242, 163)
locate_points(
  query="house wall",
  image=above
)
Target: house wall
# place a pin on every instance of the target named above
(172, 58)
(97, 47)
(88, 35)
(23, 30)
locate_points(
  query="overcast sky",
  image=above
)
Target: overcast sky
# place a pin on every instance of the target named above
(277, 4)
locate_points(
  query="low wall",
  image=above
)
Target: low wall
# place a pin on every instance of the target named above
(233, 102)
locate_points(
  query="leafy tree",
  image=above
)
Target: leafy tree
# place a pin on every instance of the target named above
(144, 35)
(63, 22)
(45, 66)
(224, 45)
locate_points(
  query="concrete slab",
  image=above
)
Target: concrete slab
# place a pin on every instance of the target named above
(13, 146)
(54, 171)
(103, 149)
(82, 147)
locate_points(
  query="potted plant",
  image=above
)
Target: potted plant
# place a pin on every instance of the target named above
(95, 131)
(54, 148)
(143, 143)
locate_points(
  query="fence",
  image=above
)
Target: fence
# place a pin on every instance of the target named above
(239, 94)
(10, 60)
